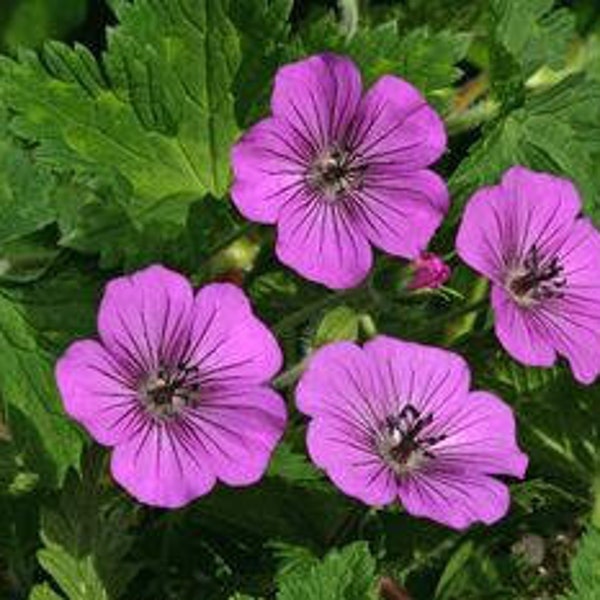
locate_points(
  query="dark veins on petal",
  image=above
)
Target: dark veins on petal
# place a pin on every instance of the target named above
(339, 161)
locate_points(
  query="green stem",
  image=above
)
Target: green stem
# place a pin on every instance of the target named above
(304, 314)
(240, 232)
(465, 310)
(44, 261)
(484, 111)
(435, 324)
(4, 431)
(289, 377)
(464, 324)
(596, 506)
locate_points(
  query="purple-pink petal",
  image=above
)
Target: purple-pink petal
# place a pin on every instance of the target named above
(240, 429)
(456, 500)
(480, 238)
(268, 164)
(395, 421)
(397, 129)
(96, 391)
(323, 242)
(520, 332)
(340, 372)
(337, 171)
(543, 258)
(230, 343)
(318, 97)
(145, 315)
(163, 467)
(481, 437)
(400, 213)
(349, 461)
(177, 385)
(501, 222)
(441, 378)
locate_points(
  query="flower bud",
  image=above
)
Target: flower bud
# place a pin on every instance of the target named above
(429, 271)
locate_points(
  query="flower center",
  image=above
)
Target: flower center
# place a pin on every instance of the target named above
(537, 279)
(333, 174)
(401, 442)
(168, 391)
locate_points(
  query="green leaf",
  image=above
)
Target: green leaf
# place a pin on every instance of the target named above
(176, 62)
(585, 568)
(8, 465)
(263, 26)
(26, 259)
(61, 305)
(31, 22)
(292, 561)
(556, 131)
(425, 58)
(293, 467)
(347, 574)
(340, 323)
(25, 200)
(468, 571)
(86, 539)
(278, 293)
(456, 14)
(525, 36)
(37, 322)
(15, 478)
(93, 219)
(43, 592)
(19, 540)
(159, 110)
(35, 415)
(496, 370)
(534, 495)
(532, 32)
(274, 510)
(560, 427)
(211, 226)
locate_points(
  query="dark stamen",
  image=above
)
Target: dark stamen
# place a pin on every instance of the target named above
(333, 173)
(168, 391)
(401, 441)
(539, 279)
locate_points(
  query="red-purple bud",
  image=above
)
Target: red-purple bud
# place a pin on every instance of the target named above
(429, 271)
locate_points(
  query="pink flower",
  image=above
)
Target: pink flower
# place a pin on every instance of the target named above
(397, 421)
(338, 171)
(527, 236)
(429, 272)
(177, 385)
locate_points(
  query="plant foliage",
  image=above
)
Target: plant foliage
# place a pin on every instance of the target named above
(116, 126)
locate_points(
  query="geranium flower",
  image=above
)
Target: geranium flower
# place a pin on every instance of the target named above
(177, 385)
(337, 170)
(397, 421)
(527, 236)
